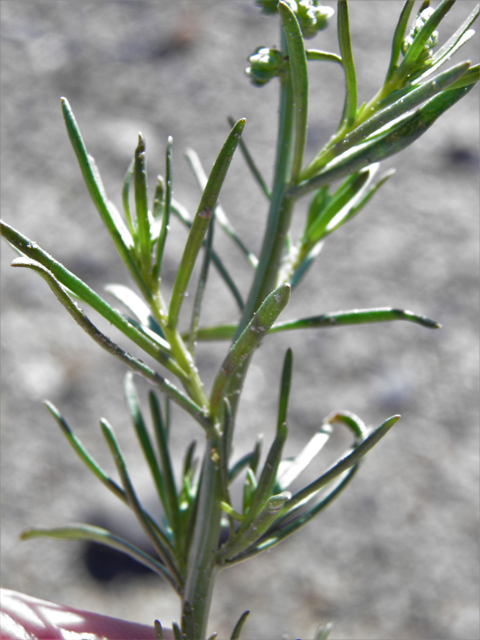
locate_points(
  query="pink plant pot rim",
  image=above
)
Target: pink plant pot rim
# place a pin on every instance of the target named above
(24, 617)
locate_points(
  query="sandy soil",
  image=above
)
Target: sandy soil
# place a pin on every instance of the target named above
(397, 555)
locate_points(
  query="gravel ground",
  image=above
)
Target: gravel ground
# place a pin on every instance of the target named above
(397, 556)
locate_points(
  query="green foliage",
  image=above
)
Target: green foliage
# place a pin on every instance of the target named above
(340, 180)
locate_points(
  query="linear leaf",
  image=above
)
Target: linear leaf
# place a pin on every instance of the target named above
(290, 468)
(141, 205)
(133, 501)
(102, 536)
(80, 289)
(167, 208)
(251, 164)
(276, 534)
(395, 139)
(421, 39)
(399, 37)
(220, 214)
(457, 40)
(253, 333)
(344, 463)
(136, 365)
(167, 551)
(263, 520)
(140, 310)
(355, 316)
(299, 75)
(183, 216)
(239, 626)
(324, 56)
(126, 201)
(110, 216)
(172, 506)
(133, 406)
(344, 40)
(201, 221)
(202, 281)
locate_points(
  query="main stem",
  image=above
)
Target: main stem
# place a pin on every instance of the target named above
(203, 569)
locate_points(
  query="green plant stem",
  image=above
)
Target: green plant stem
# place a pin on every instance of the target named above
(202, 566)
(281, 206)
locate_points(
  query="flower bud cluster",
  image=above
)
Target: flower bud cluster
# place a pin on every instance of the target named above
(265, 64)
(425, 57)
(311, 16)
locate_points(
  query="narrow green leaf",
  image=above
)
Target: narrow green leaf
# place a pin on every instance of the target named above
(167, 551)
(401, 106)
(399, 37)
(305, 265)
(384, 145)
(267, 480)
(344, 463)
(256, 329)
(220, 215)
(136, 365)
(458, 39)
(239, 626)
(290, 468)
(67, 279)
(126, 200)
(344, 40)
(202, 281)
(281, 531)
(141, 205)
(346, 195)
(471, 77)
(299, 76)
(140, 310)
(189, 461)
(150, 531)
(177, 634)
(355, 316)
(226, 441)
(359, 204)
(412, 99)
(172, 505)
(180, 212)
(324, 56)
(239, 466)
(158, 630)
(324, 631)
(264, 519)
(206, 334)
(83, 454)
(420, 41)
(251, 164)
(201, 221)
(351, 421)
(102, 536)
(110, 216)
(167, 208)
(133, 406)
(81, 319)
(159, 199)
(285, 389)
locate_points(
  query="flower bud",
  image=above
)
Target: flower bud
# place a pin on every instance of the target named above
(265, 65)
(268, 7)
(424, 59)
(312, 17)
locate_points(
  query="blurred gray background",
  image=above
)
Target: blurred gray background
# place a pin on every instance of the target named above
(396, 556)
